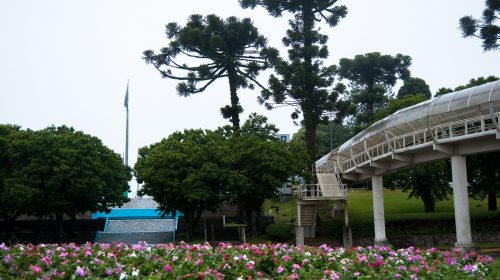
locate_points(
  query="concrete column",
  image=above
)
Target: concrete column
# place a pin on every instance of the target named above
(461, 201)
(299, 229)
(378, 210)
(347, 234)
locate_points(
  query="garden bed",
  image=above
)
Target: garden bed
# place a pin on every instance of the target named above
(263, 261)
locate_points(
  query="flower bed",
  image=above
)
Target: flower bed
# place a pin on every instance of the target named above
(201, 261)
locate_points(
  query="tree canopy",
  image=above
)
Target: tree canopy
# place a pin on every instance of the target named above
(197, 170)
(215, 49)
(484, 28)
(303, 81)
(328, 137)
(414, 86)
(258, 164)
(371, 77)
(184, 172)
(61, 171)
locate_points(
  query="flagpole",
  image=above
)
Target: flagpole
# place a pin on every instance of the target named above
(125, 194)
(126, 137)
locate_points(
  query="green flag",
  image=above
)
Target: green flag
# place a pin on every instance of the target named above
(125, 103)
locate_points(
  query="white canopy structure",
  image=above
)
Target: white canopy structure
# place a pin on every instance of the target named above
(450, 126)
(460, 118)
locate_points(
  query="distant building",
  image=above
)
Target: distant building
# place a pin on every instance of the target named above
(284, 137)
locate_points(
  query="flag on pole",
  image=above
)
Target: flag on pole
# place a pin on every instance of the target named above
(125, 103)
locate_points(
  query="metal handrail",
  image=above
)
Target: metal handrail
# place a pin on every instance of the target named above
(444, 131)
(316, 191)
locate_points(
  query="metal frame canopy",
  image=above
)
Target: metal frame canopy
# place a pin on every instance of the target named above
(444, 119)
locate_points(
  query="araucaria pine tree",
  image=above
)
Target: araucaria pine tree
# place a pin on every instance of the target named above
(303, 81)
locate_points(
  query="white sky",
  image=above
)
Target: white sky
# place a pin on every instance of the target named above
(67, 62)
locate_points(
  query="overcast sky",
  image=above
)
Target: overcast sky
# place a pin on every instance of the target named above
(67, 62)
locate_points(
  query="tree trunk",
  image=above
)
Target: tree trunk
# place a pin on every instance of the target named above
(308, 105)
(59, 228)
(8, 223)
(235, 108)
(492, 200)
(71, 227)
(429, 202)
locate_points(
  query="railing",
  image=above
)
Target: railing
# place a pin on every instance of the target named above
(314, 191)
(425, 136)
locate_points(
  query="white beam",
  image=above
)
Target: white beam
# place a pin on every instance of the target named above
(379, 165)
(447, 149)
(402, 158)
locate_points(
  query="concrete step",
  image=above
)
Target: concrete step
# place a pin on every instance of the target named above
(140, 225)
(133, 238)
(308, 214)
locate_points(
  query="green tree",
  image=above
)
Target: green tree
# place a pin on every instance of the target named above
(74, 173)
(413, 86)
(230, 48)
(184, 172)
(16, 198)
(396, 104)
(483, 175)
(484, 28)
(258, 163)
(477, 82)
(442, 91)
(303, 81)
(328, 137)
(429, 182)
(372, 76)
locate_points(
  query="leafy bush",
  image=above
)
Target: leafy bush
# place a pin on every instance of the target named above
(279, 232)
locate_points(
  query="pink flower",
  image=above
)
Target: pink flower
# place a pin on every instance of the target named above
(286, 258)
(87, 253)
(334, 275)
(46, 260)
(167, 268)
(35, 269)
(80, 271)
(361, 258)
(3, 247)
(7, 259)
(249, 265)
(296, 266)
(280, 269)
(356, 273)
(294, 276)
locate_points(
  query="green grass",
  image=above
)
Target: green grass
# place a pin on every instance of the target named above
(286, 211)
(495, 270)
(397, 206)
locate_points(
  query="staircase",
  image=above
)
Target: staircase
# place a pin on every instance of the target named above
(138, 220)
(152, 231)
(308, 215)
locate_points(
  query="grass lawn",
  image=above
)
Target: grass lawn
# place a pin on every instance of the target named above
(396, 205)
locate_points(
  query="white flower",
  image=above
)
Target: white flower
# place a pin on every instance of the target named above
(123, 275)
(135, 273)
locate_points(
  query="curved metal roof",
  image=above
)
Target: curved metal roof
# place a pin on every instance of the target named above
(447, 107)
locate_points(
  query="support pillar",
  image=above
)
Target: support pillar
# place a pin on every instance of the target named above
(299, 229)
(347, 229)
(461, 202)
(378, 210)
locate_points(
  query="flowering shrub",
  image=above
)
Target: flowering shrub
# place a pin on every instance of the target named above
(264, 261)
